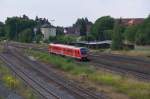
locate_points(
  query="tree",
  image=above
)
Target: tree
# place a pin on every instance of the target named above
(87, 38)
(130, 33)
(101, 25)
(62, 39)
(108, 34)
(139, 34)
(59, 31)
(26, 36)
(2, 32)
(41, 21)
(143, 33)
(82, 24)
(117, 37)
(16, 25)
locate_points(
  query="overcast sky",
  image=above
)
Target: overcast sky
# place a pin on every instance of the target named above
(65, 12)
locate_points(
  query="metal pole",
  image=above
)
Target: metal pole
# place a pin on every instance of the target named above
(35, 30)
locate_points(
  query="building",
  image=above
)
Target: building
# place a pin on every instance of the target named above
(75, 30)
(131, 21)
(47, 31)
(72, 31)
(94, 44)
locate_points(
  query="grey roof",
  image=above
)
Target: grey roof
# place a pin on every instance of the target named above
(47, 26)
(95, 43)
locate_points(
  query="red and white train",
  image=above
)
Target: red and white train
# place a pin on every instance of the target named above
(70, 51)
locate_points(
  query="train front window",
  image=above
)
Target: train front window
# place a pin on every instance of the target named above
(84, 51)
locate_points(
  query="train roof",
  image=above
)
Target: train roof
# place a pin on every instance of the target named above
(67, 46)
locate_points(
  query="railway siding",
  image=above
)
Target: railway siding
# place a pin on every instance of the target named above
(73, 88)
(19, 62)
(117, 82)
(27, 78)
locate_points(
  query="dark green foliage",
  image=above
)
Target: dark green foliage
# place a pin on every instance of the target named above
(100, 27)
(17, 28)
(88, 38)
(139, 34)
(42, 21)
(82, 25)
(117, 37)
(143, 33)
(26, 36)
(38, 36)
(59, 31)
(2, 31)
(108, 34)
(62, 39)
(130, 33)
(15, 25)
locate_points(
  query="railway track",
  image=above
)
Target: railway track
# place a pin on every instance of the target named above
(49, 74)
(114, 57)
(137, 67)
(34, 84)
(125, 59)
(126, 72)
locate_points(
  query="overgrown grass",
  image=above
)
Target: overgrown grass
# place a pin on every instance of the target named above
(133, 88)
(62, 63)
(11, 82)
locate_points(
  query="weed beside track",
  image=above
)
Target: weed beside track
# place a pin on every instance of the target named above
(133, 88)
(15, 84)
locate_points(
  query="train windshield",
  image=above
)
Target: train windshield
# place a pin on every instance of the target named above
(84, 51)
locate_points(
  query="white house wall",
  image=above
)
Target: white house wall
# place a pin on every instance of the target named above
(47, 32)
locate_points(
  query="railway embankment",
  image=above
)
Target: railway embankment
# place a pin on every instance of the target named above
(115, 86)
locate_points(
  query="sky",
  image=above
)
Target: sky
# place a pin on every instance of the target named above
(66, 12)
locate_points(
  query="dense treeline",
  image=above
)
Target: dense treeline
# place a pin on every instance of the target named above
(16, 26)
(2, 33)
(101, 29)
(22, 29)
(117, 35)
(63, 39)
(82, 24)
(105, 28)
(139, 34)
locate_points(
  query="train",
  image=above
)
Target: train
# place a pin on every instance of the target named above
(80, 53)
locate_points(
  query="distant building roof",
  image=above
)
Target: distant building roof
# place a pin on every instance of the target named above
(131, 21)
(95, 43)
(47, 26)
